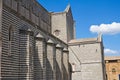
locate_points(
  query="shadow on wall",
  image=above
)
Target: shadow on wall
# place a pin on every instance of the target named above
(70, 71)
(65, 74)
(49, 71)
(23, 67)
(26, 66)
(38, 71)
(58, 72)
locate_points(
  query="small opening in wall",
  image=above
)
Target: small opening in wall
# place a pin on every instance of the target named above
(10, 39)
(73, 67)
(57, 32)
(10, 33)
(96, 50)
(113, 70)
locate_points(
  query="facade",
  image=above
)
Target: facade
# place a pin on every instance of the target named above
(28, 50)
(38, 45)
(112, 68)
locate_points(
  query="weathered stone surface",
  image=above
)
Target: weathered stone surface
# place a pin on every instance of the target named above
(64, 23)
(66, 64)
(51, 61)
(39, 59)
(87, 59)
(34, 43)
(25, 54)
(59, 63)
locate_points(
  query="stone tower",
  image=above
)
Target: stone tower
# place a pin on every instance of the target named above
(63, 25)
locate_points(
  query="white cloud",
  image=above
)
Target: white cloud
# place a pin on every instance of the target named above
(109, 51)
(113, 28)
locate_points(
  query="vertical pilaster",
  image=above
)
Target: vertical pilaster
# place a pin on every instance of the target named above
(40, 58)
(51, 64)
(65, 64)
(59, 62)
(26, 55)
(44, 60)
(31, 52)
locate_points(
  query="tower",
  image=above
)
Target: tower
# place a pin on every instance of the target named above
(63, 25)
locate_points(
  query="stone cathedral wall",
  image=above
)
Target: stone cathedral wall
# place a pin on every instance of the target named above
(28, 49)
(31, 11)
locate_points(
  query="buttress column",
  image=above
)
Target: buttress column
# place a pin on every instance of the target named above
(59, 62)
(26, 55)
(51, 57)
(66, 64)
(40, 58)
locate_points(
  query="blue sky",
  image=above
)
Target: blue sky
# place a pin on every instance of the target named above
(92, 17)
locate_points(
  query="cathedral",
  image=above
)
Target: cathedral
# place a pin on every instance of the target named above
(39, 45)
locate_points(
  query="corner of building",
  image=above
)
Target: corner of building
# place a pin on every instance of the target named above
(1, 3)
(86, 58)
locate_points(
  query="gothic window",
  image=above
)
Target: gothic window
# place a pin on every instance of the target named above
(57, 32)
(10, 38)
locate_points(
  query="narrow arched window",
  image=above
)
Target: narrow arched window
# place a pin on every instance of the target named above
(11, 33)
(10, 39)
